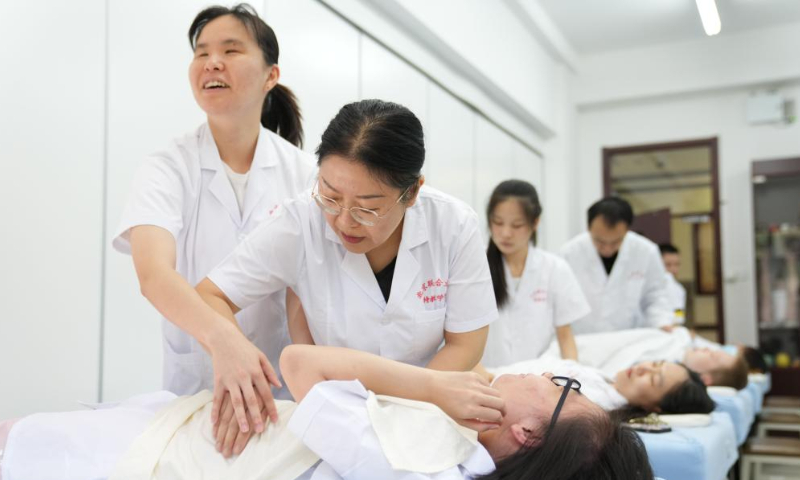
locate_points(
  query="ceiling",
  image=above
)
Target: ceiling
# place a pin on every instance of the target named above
(594, 26)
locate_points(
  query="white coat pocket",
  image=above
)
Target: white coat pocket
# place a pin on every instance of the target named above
(187, 373)
(428, 332)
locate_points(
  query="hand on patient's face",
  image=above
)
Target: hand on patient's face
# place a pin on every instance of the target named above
(469, 400)
(230, 440)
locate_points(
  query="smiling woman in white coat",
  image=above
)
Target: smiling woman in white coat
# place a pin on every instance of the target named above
(192, 203)
(620, 272)
(536, 292)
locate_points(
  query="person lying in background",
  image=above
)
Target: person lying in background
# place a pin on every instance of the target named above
(359, 416)
(661, 387)
(615, 351)
(754, 358)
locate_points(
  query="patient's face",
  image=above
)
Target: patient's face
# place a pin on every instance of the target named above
(645, 384)
(706, 360)
(528, 395)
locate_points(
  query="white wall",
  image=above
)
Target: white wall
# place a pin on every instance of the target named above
(149, 103)
(51, 203)
(68, 335)
(714, 114)
(488, 53)
(749, 58)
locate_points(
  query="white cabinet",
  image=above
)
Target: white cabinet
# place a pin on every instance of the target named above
(450, 149)
(384, 76)
(318, 60)
(494, 154)
(51, 203)
(150, 102)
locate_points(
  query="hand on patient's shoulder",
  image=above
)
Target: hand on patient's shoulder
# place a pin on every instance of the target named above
(468, 398)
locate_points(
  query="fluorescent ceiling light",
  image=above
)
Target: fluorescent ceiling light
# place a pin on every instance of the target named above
(709, 16)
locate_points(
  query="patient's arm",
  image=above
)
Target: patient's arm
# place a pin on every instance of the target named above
(465, 396)
(481, 370)
(566, 342)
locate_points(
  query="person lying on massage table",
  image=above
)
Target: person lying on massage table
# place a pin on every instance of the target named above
(662, 387)
(345, 426)
(614, 351)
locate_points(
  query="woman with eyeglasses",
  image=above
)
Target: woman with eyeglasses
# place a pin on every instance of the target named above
(380, 263)
(339, 429)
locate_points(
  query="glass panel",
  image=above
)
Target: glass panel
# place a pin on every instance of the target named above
(777, 219)
(680, 180)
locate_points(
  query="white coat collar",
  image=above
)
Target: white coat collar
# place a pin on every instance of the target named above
(622, 256)
(266, 155)
(259, 182)
(356, 266)
(533, 262)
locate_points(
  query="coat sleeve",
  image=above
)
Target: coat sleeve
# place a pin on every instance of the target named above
(655, 301)
(268, 260)
(470, 297)
(332, 421)
(569, 303)
(157, 197)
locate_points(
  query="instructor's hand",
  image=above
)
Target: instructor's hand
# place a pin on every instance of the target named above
(243, 371)
(229, 439)
(469, 400)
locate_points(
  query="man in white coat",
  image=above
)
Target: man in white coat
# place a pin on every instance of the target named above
(620, 272)
(676, 292)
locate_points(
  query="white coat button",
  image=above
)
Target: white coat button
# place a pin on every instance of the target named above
(242, 236)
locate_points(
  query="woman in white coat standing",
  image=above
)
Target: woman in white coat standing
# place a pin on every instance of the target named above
(192, 203)
(536, 291)
(380, 263)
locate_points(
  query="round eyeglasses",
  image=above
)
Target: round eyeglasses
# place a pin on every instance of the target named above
(568, 384)
(364, 216)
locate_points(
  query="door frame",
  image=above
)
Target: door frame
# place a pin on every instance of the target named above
(712, 144)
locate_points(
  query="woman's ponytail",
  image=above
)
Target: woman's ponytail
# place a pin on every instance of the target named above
(281, 114)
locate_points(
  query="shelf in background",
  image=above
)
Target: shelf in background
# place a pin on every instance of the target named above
(778, 326)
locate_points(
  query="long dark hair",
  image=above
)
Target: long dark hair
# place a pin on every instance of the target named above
(595, 447)
(280, 113)
(385, 137)
(690, 396)
(524, 193)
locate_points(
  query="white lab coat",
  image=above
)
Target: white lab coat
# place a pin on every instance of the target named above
(336, 432)
(548, 297)
(186, 191)
(441, 278)
(633, 295)
(676, 294)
